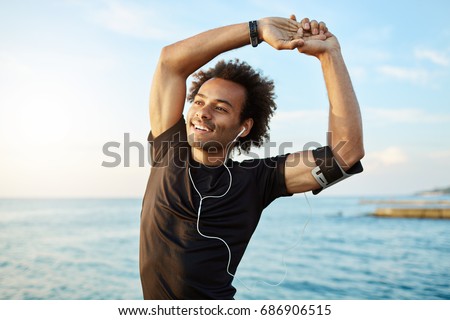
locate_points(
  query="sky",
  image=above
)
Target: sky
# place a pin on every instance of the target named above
(75, 78)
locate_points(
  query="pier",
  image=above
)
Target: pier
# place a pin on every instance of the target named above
(418, 213)
(412, 208)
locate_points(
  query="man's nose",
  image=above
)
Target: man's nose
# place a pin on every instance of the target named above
(204, 112)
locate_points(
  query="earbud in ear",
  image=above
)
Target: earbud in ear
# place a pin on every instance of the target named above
(239, 134)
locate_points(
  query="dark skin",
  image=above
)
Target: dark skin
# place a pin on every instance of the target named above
(213, 119)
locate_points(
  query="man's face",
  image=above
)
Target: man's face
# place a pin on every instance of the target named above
(213, 120)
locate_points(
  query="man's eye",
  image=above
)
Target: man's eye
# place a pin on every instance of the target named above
(221, 109)
(198, 102)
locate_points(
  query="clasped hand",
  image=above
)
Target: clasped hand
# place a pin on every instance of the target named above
(308, 36)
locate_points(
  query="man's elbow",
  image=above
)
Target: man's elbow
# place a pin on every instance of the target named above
(348, 154)
(171, 61)
(353, 157)
(359, 154)
(166, 56)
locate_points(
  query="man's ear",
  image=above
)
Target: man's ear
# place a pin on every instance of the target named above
(247, 124)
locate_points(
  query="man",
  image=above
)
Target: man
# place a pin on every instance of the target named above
(200, 208)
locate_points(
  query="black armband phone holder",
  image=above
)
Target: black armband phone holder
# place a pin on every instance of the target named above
(328, 170)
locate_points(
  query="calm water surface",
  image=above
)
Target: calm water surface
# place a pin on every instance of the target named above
(88, 249)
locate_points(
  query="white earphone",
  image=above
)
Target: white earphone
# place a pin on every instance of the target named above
(240, 133)
(199, 211)
(204, 197)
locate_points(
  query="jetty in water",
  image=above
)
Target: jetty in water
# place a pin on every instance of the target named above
(418, 213)
(418, 209)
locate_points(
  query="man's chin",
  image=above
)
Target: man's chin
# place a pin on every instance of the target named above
(208, 146)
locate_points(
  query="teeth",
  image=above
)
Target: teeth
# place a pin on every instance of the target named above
(201, 128)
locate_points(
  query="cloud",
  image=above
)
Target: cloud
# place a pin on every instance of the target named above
(442, 155)
(433, 56)
(403, 115)
(358, 73)
(418, 74)
(391, 156)
(300, 115)
(11, 64)
(134, 20)
(159, 20)
(415, 75)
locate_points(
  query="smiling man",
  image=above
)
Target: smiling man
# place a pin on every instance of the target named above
(214, 118)
(201, 208)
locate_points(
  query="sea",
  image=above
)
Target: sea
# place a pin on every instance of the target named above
(315, 247)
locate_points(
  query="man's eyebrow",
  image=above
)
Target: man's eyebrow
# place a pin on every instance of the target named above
(201, 95)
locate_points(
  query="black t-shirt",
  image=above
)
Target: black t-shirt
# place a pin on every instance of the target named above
(176, 262)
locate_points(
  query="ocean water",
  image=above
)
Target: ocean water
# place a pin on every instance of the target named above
(329, 248)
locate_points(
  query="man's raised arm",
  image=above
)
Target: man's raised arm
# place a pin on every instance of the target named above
(344, 124)
(179, 60)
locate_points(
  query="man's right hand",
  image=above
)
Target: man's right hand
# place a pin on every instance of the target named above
(288, 34)
(280, 33)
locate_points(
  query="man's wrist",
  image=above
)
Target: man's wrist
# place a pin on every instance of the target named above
(330, 55)
(254, 33)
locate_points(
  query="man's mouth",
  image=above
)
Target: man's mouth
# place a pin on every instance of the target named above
(201, 128)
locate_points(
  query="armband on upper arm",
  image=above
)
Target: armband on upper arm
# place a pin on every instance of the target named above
(328, 170)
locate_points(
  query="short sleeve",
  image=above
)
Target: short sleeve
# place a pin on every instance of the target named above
(159, 146)
(270, 177)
